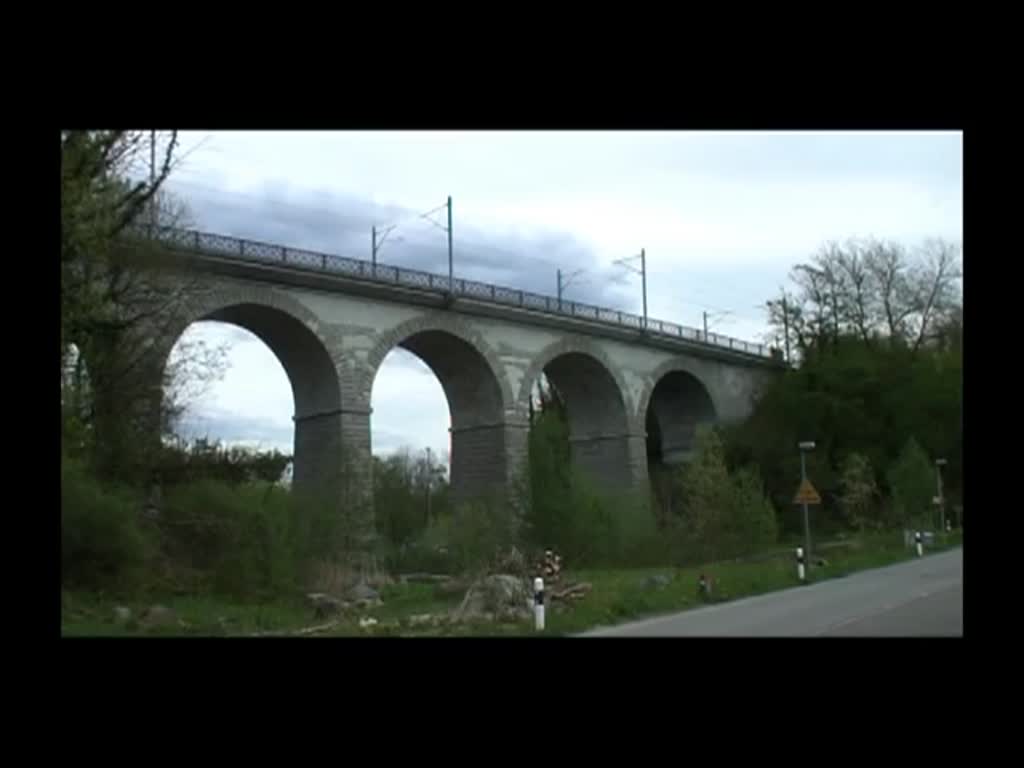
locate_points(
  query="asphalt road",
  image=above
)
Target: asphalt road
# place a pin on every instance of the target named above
(922, 597)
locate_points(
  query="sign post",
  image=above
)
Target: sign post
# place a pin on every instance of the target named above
(806, 494)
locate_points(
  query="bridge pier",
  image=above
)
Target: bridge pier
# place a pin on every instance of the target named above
(615, 462)
(356, 466)
(332, 464)
(486, 459)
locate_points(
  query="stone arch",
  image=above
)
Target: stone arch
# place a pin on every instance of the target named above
(440, 322)
(476, 388)
(677, 399)
(204, 304)
(308, 353)
(602, 430)
(566, 346)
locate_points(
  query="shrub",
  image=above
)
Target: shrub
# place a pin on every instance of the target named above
(755, 523)
(103, 542)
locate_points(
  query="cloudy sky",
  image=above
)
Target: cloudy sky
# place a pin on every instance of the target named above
(722, 217)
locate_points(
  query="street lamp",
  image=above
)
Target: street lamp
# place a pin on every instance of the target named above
(939, 464)
(805, 446)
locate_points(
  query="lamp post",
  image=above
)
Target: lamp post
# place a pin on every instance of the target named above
(807, 445)
(939, 464)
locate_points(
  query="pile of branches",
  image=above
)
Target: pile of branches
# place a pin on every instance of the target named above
(550, 567)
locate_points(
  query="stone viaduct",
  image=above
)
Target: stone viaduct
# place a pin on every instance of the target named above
(629, 391)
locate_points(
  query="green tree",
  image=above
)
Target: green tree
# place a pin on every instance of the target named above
(723, 513)
(115, 295)
(707, 498)
(547, 517)
(399, 515)
(409, 494)
(912, 481)
(855, 397)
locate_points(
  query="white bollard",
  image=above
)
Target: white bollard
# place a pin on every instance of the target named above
(538, 603)
(800, 563)
(920, 548)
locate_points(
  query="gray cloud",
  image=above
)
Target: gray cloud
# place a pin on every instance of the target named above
(231, 427)
(342, 225)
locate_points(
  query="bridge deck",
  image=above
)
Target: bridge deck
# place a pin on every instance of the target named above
(255, 252)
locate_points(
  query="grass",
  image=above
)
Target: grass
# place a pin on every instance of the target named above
(84, 614)
(88, 615)
(618, 595)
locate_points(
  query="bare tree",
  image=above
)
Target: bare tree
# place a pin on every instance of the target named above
(868, 289)
(936, 287)
(786, 316)
(815, 302)
(857, 289)
(893, 301)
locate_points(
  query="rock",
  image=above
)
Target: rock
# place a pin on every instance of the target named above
(363, 592)
(367, 621)
(657, 581)
(122, 615)
(508, 596)
(324, 605)
(160, 616)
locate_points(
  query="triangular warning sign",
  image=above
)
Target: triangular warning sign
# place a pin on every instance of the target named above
(806, 494)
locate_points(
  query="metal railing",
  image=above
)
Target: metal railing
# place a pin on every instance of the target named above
(268, 253)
